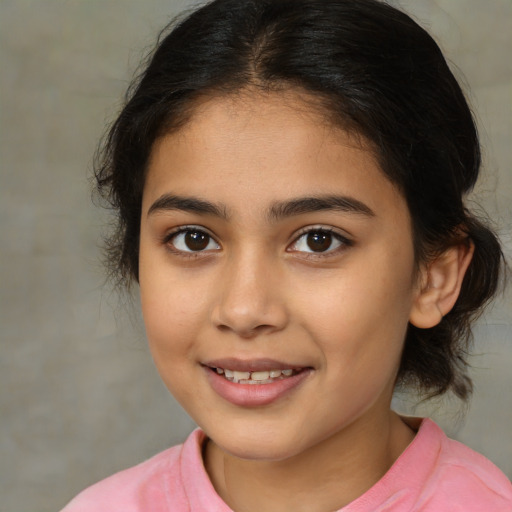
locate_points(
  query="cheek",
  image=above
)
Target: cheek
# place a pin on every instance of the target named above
(359, 303)
(167, 298)
(170, 334)
(166, 309)
(361, 316)
(175, 307)
(168, 315)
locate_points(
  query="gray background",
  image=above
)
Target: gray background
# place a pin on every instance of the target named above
(79, 396)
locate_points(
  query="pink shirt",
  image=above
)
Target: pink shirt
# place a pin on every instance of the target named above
(434, 474)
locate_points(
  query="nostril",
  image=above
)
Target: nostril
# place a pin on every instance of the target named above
(249, 315)
(255, 331)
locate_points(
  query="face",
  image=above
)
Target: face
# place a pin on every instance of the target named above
(276, 275)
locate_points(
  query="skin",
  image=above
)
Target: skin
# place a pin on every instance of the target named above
(258, 291)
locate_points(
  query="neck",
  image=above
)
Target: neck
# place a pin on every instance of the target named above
(324, 478)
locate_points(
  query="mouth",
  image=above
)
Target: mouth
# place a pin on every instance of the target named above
(255, 382)
(256, 377)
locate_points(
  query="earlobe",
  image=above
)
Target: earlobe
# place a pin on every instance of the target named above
(440, 285)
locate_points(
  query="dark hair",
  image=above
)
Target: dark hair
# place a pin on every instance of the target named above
(374, 71)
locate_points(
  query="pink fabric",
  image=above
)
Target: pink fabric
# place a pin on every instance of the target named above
(434, 474)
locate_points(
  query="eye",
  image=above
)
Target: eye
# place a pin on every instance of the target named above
(319, 241)
(191, 240)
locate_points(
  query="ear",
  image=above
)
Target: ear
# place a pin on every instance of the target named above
(439, 285)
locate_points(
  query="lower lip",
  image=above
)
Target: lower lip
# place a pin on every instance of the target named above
(252, 395)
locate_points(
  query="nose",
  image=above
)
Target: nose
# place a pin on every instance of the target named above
(250, 300)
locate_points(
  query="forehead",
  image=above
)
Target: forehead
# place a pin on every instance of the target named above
(262, 148)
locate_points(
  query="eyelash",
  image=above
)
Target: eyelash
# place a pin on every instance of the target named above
(168, 239)
(343, 241)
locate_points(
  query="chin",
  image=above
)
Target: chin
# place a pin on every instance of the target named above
(257, 444)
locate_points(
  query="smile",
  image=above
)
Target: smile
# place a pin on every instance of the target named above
(256, 377)
(254, 383)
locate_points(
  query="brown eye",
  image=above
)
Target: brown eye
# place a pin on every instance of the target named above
(193, 240)
(196, 240)
(319, 241)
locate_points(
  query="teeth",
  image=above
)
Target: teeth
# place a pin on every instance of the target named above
(250, 381)
(263, 377)
(241, 375)
(260, 375)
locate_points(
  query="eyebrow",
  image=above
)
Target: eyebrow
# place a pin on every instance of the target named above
(303, 205)
(277, 211)
(169, 202)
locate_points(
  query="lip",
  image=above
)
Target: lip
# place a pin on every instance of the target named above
(253, 395)
(253, 365)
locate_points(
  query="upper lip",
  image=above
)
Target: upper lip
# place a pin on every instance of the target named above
(251, 365)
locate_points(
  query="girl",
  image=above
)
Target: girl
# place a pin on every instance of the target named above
(289, 177)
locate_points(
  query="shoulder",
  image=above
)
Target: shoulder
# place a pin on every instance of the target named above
(465, 478)
(156, 481)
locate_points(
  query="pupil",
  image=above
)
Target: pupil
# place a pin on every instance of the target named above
(319, 241)
(196, 241)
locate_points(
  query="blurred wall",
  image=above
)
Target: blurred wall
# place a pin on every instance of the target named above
(79, 396)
